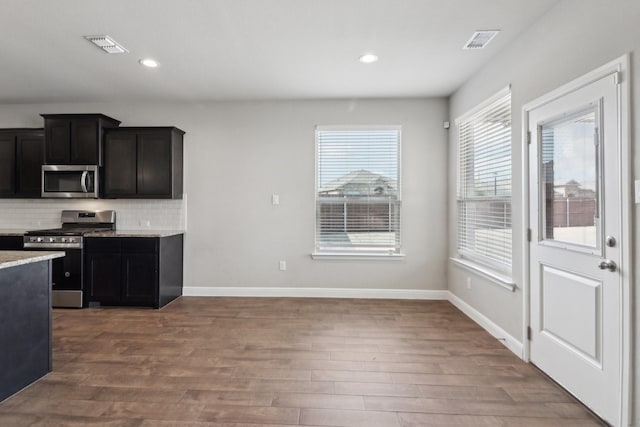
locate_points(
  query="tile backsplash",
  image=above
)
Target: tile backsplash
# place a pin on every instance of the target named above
(130, 214)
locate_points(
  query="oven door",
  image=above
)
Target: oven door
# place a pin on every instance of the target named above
(70, 181)
(66, 278)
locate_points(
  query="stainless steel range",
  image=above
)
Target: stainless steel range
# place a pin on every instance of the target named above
(67, 272)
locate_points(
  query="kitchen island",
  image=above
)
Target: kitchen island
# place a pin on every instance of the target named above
(25, 318)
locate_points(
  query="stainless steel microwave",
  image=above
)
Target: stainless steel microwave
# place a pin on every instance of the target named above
(70, 181)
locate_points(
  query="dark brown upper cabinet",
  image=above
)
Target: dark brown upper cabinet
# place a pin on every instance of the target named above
(75, 139)
(143, 162)
(21, 158)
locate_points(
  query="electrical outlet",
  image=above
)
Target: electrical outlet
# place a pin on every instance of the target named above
(468, 282)
(283, 265)
(275, 199)
(637, 190)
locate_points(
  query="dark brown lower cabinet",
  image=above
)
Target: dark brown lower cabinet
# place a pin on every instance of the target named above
(11, 243)
(137, 271)
(103, 276)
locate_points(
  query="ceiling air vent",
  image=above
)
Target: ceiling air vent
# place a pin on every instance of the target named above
(107, 44)
(480, 39)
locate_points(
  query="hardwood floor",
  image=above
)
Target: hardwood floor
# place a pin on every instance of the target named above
(242, 362)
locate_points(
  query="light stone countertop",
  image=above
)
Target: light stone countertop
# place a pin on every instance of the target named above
(117, 233)
(15, 258)
(137, 233)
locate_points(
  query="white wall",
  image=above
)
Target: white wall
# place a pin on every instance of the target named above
(571, 40)
(239, 153)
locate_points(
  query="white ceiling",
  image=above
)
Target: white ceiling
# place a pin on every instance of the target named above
(248, 49)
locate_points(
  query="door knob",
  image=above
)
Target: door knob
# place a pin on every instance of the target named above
(607, 264)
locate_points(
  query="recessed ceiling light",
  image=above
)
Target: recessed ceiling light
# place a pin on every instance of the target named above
(107, 44)
(148, 62)
(368, 58)
(480, 39)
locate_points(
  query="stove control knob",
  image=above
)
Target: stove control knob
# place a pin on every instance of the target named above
(39, 239)
(72, 239)
(52, 239)
(63, 240)
(32, 239)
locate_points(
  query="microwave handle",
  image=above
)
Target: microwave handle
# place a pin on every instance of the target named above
(83, 181)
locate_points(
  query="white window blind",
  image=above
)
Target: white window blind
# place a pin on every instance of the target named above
(358, 190)
(484, 186)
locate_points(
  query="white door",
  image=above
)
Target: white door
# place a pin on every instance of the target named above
(575, 282)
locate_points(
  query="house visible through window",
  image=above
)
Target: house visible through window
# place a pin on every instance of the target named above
(484, 183)
(358, 190)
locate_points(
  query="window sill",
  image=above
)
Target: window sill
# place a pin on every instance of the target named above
(493, 276)
(356, 257)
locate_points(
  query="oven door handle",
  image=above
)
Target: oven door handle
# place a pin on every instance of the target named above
(83, 181)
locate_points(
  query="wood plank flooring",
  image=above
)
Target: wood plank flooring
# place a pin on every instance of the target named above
(245, 362)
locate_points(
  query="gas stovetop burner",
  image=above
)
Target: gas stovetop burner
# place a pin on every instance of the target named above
(75, 224)
(66, 231)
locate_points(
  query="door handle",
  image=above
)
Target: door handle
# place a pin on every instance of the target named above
(607, 264)
(83, 181)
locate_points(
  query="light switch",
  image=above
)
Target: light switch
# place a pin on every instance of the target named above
(275, 199)
(637, 190)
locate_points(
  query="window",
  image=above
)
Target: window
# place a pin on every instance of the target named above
(484, 183)
(358, 190)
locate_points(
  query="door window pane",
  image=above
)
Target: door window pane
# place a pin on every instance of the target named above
(570, 179)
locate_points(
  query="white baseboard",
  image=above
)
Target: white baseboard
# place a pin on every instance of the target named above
(315, 293)
(509, 341)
